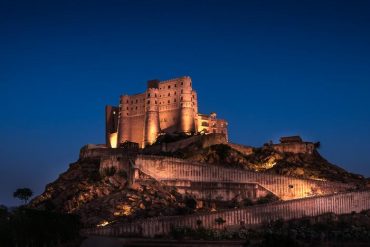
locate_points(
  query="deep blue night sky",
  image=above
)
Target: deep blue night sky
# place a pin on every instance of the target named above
(269, 68)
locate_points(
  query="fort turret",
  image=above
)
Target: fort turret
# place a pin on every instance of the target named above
(186, 106)
(124, 121)
(151, 129)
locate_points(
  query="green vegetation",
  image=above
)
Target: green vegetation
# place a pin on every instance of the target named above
(267, 199)
(109, 171)
(220, 221)
(122, 174)
(23, 194)
(34, 228)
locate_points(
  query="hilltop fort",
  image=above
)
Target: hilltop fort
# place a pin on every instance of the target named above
(165, 107)
(161, 153)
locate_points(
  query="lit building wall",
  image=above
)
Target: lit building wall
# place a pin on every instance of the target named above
(165, 107)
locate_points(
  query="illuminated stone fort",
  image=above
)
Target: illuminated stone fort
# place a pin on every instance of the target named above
(165, 107)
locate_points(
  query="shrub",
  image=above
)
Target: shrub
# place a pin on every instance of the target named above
(109, 171)
(267, 199)
(122, 174)
(190, 202)
(220, 220)
(30, 227)
(94, 176)
(247, 202)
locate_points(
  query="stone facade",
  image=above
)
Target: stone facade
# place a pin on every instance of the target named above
(165, 107)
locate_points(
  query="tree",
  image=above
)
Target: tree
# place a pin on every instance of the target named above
(220, 220)
(23, 194)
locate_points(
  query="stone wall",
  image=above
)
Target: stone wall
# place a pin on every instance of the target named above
(203, 140)
(218, 190)
(246, 150)
(343, 203)
(286, 188)
(98, 152)
(300, 147)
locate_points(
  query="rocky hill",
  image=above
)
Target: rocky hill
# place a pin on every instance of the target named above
(105, 198)
(99, 199)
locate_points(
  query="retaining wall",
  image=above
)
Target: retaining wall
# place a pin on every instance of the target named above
(343, 203)
(286, 188)
(218, 190)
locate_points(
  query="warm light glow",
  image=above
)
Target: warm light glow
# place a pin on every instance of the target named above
(125, 210)
(103, 223)
(113, 140)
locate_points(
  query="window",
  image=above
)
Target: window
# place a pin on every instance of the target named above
(155, 102)
(181, 91)
(148, 102)
(182, 83)
(205, 124)
(169, 94)
(169, 86)
(127, 101)
(175, 92)
(136, 108)
(175, 85)
(136, 101)
(148, 94)
(126, 108)
(174, 100)
(132, 101)
(169, 101)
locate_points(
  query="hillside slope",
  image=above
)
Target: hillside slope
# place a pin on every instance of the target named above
(265, 159)
(99, 198)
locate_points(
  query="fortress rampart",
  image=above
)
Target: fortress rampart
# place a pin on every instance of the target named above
(342, 203)
(284, 187)
(204, 141)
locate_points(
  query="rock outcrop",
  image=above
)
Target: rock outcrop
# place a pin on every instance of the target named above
(99, 199)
